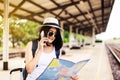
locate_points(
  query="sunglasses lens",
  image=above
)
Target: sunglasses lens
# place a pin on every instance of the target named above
(50, 33)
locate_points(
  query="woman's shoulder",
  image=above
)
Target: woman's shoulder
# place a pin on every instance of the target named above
(29, 44)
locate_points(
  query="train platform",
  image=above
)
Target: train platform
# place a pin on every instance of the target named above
(98, 68)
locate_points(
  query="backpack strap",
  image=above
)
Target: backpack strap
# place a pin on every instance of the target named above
(57, 52)
(34, 46)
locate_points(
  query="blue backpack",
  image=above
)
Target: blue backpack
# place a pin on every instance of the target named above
(34, 48)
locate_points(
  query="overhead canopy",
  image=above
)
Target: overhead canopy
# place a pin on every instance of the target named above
(81, 14)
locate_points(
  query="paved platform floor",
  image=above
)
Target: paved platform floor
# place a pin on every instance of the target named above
(98, 68)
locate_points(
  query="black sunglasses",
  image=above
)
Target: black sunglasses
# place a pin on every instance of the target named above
(51, 33)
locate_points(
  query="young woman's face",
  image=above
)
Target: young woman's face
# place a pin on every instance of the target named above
(51, 34)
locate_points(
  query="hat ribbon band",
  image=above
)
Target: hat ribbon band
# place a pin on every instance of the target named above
(50, 24)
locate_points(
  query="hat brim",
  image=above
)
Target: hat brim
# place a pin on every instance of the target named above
(54, 26)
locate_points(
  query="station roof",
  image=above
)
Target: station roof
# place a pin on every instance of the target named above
(80, 14)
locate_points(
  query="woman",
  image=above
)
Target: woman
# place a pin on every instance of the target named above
(49, 41)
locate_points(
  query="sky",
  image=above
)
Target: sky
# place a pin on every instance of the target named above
(113, 26)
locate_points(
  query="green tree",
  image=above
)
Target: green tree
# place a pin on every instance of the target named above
(66, 37)
(14, 31)
(30, 31)
(22, 32)
(1, 32)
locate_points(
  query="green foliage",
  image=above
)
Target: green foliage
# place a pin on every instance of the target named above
(66, 37)
(1, 32)
(29, 30)
(22, 32)
(77, 37)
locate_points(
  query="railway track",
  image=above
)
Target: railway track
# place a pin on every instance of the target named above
(113, 51)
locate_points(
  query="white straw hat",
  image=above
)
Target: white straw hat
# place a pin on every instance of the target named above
(52, 22)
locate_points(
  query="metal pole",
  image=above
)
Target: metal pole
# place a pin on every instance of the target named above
(6, 35)
(76, 33)
(70, 36)
(62, 26)
(93, 36)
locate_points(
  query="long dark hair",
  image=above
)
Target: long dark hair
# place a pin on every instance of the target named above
(58, 39)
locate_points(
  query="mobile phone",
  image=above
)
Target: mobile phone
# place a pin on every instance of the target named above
(42, 35)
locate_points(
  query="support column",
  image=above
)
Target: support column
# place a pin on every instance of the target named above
(77, 35)
(6, 35)
(81, 38)
(70, 36)
(62, 32)
(76, 32)
(93, 36)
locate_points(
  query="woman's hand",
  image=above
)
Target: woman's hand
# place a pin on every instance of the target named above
(42, 42)
(75, 77)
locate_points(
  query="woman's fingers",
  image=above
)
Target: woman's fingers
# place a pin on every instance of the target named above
(42, 42)
(74, 77)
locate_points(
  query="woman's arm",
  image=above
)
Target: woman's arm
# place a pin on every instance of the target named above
(31, 61)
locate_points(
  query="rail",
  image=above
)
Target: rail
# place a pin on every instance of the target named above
(115, 51)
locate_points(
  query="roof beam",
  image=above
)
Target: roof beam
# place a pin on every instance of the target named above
(43, 9)
(20, 9)
(60, 12)
(83, 13)
(79, 11)
(64, 10)
(91, 19)
(1, 13)
(16, 8)
(92, 12)
(53, 9)
(31, 18)
(112, 2)
(97, 9)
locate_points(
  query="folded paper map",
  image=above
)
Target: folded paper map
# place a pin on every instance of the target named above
(60, 69)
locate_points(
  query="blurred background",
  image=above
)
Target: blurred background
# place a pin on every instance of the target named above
(91, 30)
